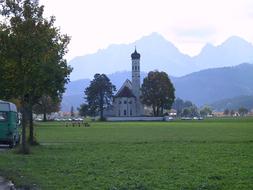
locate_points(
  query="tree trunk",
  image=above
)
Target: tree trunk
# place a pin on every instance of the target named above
(24, 147)
(157, 111)
(44, 116)
(101, 107)
(154, 110)
(162, 111)
(31, 128)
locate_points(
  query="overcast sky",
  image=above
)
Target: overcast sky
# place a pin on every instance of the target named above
(189, 24)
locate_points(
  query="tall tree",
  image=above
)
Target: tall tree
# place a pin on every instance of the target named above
(158, 92)
(178, 105)
(205, 111)
(72, 113)
(243, 111)
(99, 94)
(33, 61)
(226, 111)
(47, 105)
(85, 110)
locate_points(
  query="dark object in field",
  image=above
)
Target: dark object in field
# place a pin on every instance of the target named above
(86, 124)
(77, 124)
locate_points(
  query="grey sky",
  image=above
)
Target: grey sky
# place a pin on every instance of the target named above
(189, 24)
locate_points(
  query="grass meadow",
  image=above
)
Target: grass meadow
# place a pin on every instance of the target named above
(214, 154)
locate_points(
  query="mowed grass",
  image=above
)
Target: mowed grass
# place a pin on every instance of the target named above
(180, 155)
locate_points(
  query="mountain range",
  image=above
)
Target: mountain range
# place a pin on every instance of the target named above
(233, 103)
(158, 53)
(202, 87)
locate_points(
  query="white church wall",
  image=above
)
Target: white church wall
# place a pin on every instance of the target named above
(125, 107)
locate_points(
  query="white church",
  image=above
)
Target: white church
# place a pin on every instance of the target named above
(127, 100)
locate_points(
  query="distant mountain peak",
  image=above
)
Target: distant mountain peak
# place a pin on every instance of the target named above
(159, 53)
(153, 35)
(235, 41)
(207, 47)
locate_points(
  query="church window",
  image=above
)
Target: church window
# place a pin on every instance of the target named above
(130, 102)
(131, 113)
(125, 102)
(136, 68)
(119, 102)
(125, 112)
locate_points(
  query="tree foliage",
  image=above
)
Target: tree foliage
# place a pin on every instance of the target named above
(185, 108)
(226, 111)
(47, 105)
(243, 111)
(85, 110)
(72, 113)
(205, 111)
(158, 92)
(99, 94)
(32, 53)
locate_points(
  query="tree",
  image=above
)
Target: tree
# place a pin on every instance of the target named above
(99, 94)
(190, 111)
(72, 111)
(186, 112)
(178, 105)
(226, 112)
(205, 111)
(33, 57)
(157, 91)
(46, 105)
(243, 111)
(84, 110)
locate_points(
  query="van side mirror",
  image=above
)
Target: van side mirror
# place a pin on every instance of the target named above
(19, 122)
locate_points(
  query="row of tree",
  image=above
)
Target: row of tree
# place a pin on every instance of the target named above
(241, 111)
(188, 109)
(157, 92)
(33, 68)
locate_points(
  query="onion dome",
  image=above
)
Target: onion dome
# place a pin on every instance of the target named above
(135, 55)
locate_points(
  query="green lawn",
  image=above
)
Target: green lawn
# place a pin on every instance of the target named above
(181, 155)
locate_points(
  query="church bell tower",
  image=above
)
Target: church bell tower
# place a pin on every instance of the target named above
(136, 81)
(136, 73)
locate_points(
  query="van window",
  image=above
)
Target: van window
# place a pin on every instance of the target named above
(3, 116)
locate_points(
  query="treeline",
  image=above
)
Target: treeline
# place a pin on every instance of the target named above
(189, 109)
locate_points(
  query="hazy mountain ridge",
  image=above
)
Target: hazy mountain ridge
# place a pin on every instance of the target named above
(208, 86)
(203, 87)
(158, 53)
(233, 51)
(233, 103)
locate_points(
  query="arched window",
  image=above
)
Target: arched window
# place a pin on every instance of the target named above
(125, 112)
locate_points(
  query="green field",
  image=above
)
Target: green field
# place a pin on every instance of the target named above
(181, 155)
